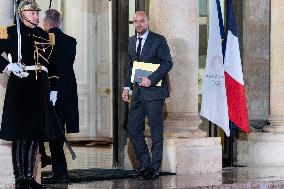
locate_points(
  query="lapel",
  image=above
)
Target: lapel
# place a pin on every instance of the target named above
(133, 46)
(147, 44)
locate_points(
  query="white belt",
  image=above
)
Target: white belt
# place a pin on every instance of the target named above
(37, 67)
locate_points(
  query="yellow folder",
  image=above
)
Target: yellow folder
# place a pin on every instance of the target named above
(144, 66)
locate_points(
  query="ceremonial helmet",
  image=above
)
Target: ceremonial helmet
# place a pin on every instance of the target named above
(28, 5)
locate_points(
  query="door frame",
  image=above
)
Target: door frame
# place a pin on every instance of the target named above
(120, 30)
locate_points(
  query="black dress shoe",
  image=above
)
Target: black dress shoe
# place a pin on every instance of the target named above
(146, 171)
(32, 184)
(45, 160)
(139, 172)
(154, 176)
(150, 174)
(55, 178)
(20, 184)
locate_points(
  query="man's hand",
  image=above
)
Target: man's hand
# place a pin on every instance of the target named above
(15, 68)
(53, 97)
(125, 95)
(145, 82)
(24, 74)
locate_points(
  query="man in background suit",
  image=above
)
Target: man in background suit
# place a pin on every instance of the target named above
(67, 103)
(147, 98)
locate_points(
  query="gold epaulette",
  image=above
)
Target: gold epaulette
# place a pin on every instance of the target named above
(52, 38)
(3, 32)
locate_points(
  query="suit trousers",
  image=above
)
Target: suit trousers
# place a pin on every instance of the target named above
(139, 109)
(59, 164)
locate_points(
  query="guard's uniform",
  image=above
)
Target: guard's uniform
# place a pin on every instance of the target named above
(25, 101)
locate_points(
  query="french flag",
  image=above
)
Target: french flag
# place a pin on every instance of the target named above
(235, 89)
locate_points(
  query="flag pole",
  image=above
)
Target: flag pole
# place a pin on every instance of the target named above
(50, 4)
(210, 127)
(215, 130)
(231, 144)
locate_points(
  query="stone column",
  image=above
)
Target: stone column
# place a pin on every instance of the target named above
(276, 117)
(6, 173)
(186, 149)
(264, 148)
(178, 21)
(256, 59)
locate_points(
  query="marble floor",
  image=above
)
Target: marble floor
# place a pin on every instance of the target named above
(232, 177)
(88, 157)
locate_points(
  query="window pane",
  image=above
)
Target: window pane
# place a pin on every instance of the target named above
(202, 7)
(131, 30)
(131, 9)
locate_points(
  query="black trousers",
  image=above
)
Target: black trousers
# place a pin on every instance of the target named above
(139, 109)
(59, 164)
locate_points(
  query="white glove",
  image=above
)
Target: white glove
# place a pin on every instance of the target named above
(15, 68)
(53, 97)
(24, 74)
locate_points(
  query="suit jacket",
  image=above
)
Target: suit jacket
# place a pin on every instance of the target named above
(156, 51)
(65, 52)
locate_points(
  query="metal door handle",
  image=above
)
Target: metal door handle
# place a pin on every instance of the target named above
(107, 91)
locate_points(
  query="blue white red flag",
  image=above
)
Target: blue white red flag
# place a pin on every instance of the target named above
(234, 76)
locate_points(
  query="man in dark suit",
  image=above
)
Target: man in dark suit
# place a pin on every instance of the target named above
(147, 98)
(67, 103)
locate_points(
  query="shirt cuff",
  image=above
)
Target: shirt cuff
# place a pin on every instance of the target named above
(127, 88)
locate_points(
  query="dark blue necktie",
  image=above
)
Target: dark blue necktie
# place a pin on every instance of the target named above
(139, 47)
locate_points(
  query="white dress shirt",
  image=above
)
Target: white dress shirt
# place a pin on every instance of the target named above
(144, 37)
